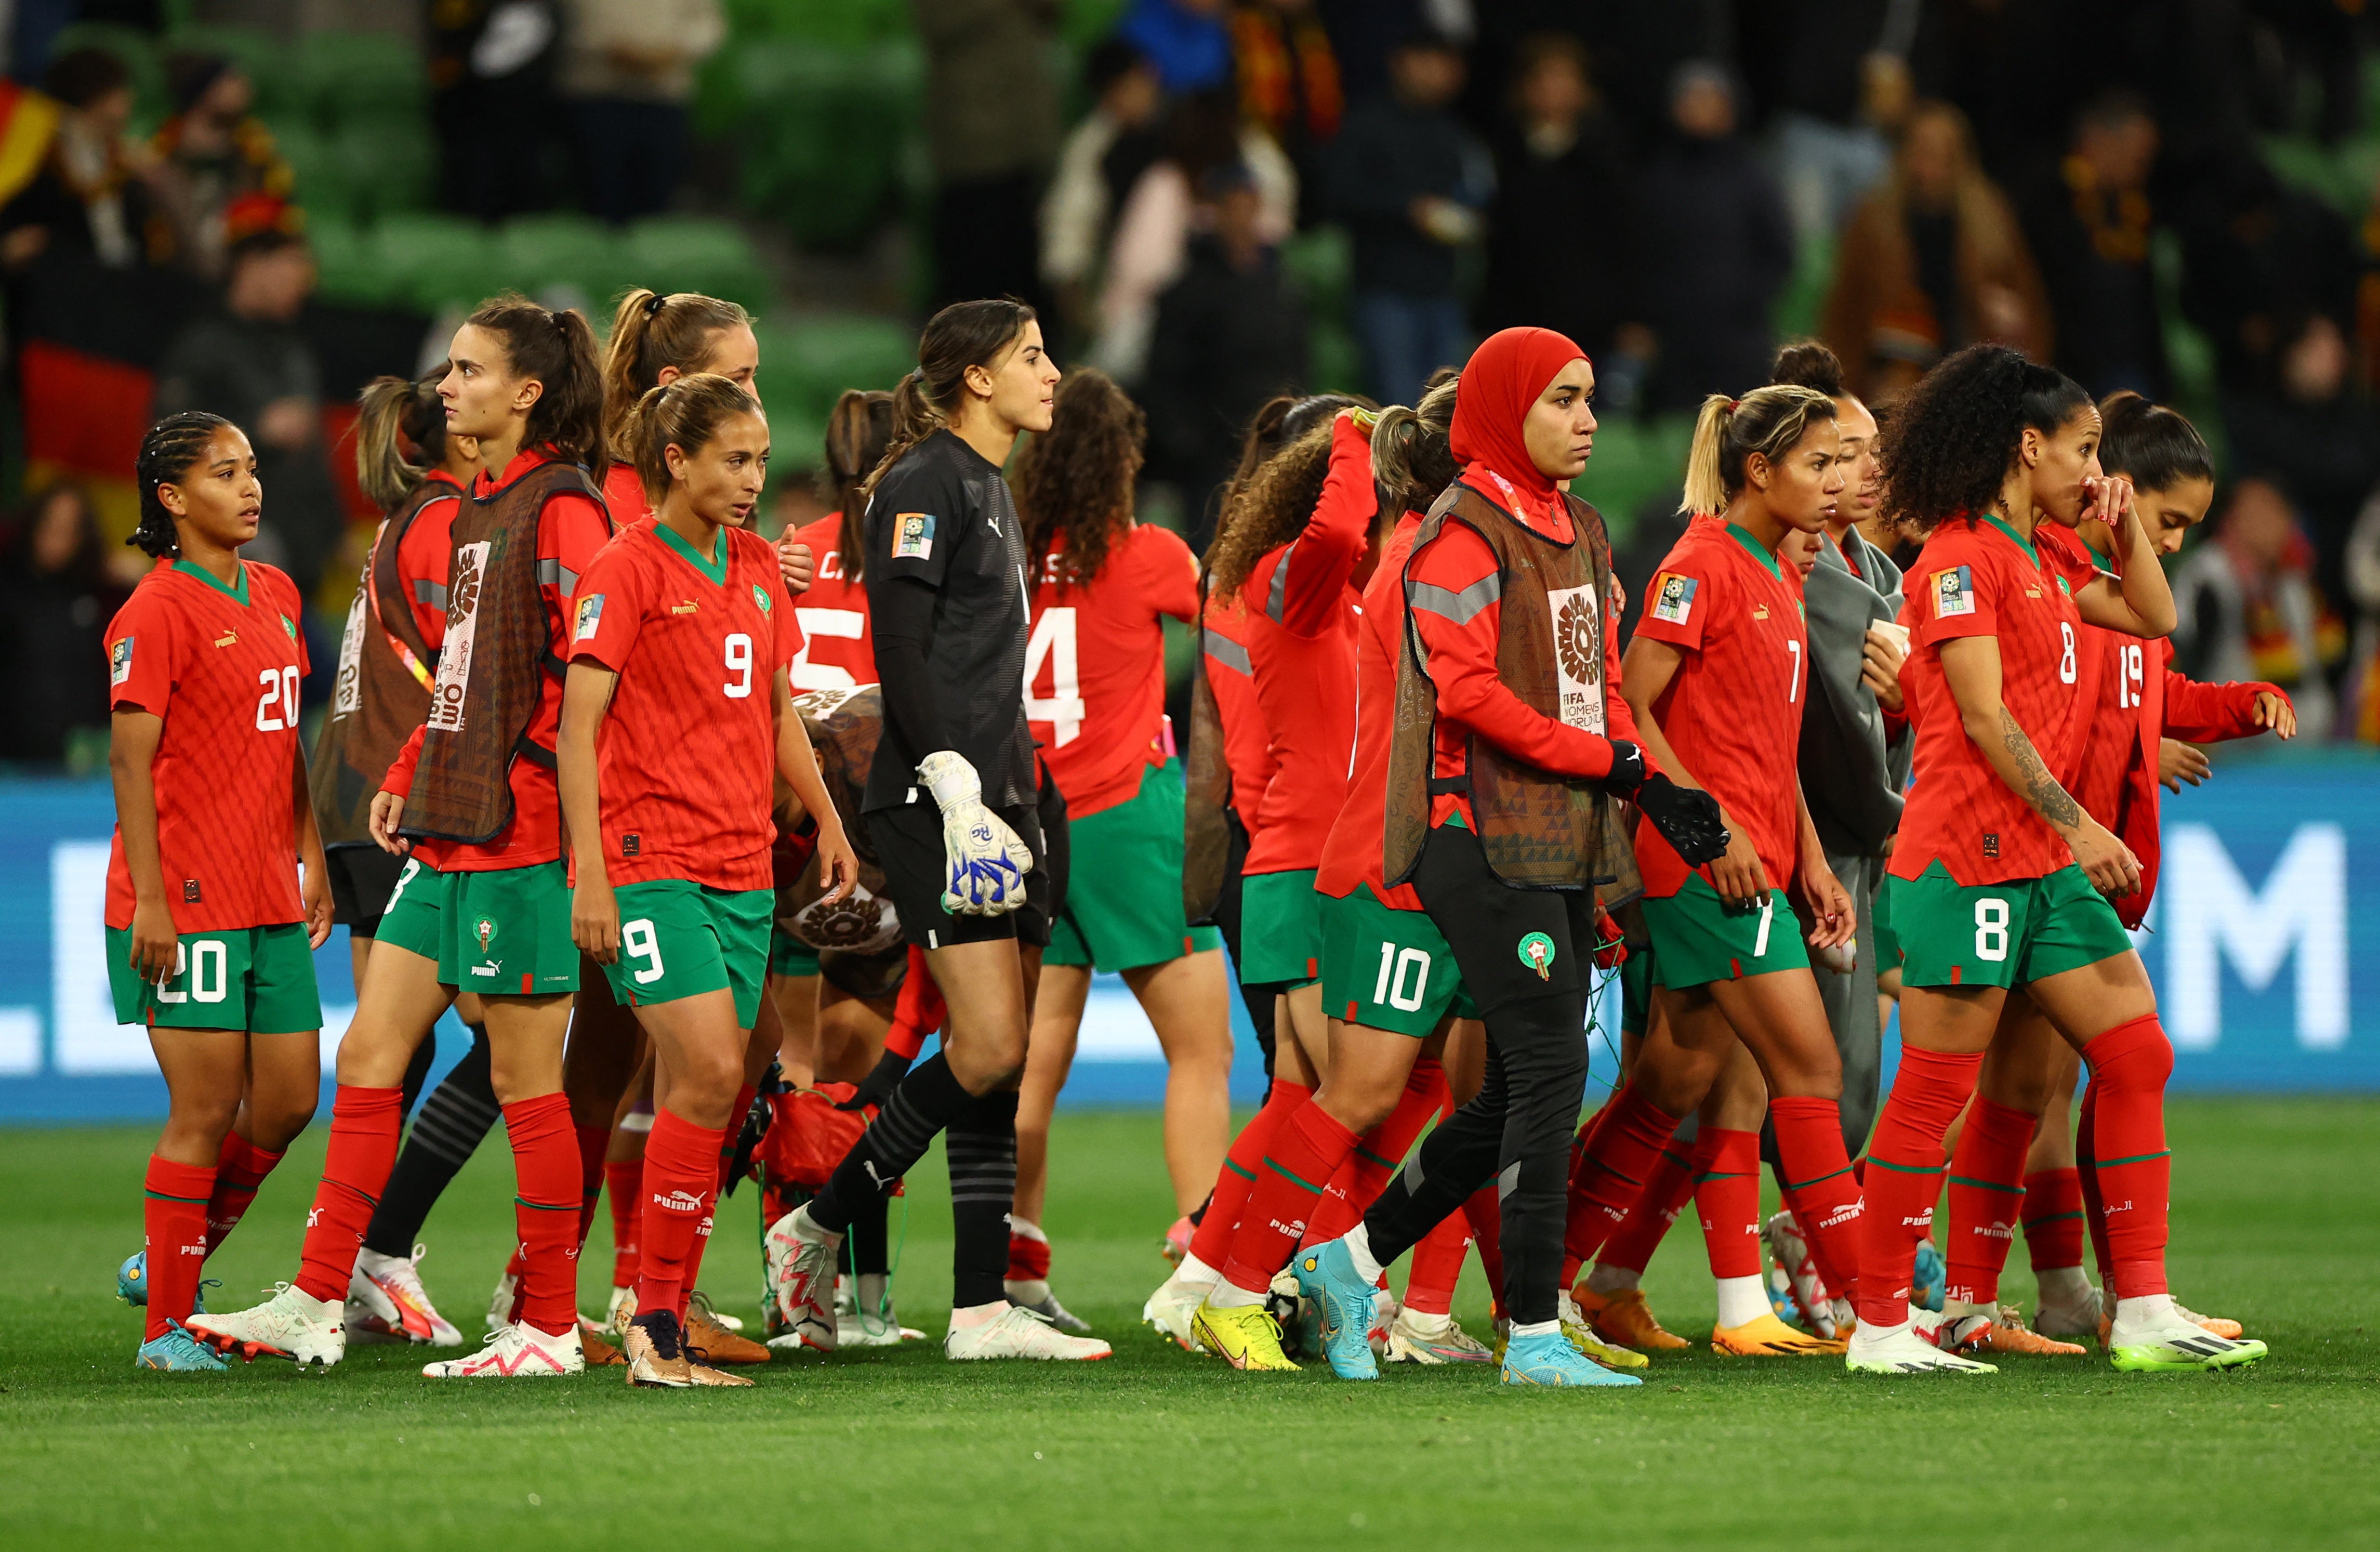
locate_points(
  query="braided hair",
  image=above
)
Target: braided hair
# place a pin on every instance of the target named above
(167, 452)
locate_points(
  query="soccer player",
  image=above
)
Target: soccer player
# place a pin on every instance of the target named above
(483, 903)
(1717, 675)
(209, 933)
(950, 809)
(2000, 880)
(1103, 585)
(674, 711)
(1510, 741)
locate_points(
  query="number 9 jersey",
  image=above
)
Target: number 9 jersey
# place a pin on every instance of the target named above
(686, 760)
(221, 666)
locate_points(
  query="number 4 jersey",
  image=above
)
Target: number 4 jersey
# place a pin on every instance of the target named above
(1095, 666)
(687, 753)
(221, 666)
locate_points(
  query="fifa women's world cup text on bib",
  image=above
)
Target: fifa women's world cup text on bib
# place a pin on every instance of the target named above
(1577, 620)
(447, 695)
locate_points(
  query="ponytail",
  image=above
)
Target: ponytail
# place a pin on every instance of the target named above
(963, 335)
(2155, 447)
(1951, 440)
(167, 452)
(650, 331)
(1767, 420)
(1411, 461)
(857, 431)
(685, 414)
(557, 350)
(395, 408)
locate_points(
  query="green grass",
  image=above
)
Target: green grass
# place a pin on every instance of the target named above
(2279, 1224)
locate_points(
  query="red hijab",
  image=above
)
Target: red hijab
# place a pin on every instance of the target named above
(1503, 378)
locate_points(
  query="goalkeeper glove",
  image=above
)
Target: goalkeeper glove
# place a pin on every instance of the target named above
(1687, 817)
(984, 863)
(878, 1086)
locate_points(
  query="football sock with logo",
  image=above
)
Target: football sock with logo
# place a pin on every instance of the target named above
(1985, 1199)
(981, 1146)
(1212, 1244)
(681, 1167)
(1611, 1172)
(1666, 1190)
(2129, 1065)
(1437, 1266)
(239, 1169)
(1364, 1174)
(545, 1210)
(1311, 1145)
(1819, 1186)
(174, 1225)
(2052, 1219)
(362, 1150)
(924, 1104)
(1726, 1199)
(447, 1130)
(1904, 1176)
(625, 1180)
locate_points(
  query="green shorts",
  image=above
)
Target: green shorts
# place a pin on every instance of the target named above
(1123, 908)
(501, 933)
(2000, 935)
(1636, 991)
(257, 979)
(1698, 938)
(1281, 929)
(681, 939)
(789, 956)
(1388, 969)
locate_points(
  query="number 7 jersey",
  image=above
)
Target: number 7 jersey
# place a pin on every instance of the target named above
(687, 758)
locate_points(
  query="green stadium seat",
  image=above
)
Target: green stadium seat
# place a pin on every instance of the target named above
(1321, 259)
(326, 185)
(1803, 300)
(690, 253)
(822, 134)
(439, 262)
(805, 366)
(392, 162)
(348, 263)
(1635, 460)
(571, 253)
(1334, 364)
(345, 78)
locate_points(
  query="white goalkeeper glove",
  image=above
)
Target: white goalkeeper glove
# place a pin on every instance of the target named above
(984, 863)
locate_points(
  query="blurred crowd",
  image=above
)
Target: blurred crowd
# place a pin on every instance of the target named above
(2099, 182)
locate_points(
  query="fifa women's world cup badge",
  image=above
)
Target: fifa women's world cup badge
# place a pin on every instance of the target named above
(1578, 654)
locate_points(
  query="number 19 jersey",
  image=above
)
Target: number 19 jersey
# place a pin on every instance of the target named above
(687, 757)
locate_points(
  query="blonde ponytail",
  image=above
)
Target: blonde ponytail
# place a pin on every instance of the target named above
(394, 412)
(1767, 420)
(1411, 461)
(650, 331)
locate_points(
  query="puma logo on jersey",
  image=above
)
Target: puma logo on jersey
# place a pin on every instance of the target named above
(688, 607)
(228, 638)
(1760, 611)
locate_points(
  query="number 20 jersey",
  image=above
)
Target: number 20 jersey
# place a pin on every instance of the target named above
(686, 757)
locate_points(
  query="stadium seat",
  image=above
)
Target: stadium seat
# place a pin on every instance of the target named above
(438, 262)
(806, 365)
(346, 263)
(691, 254)
(1633, 461)
(821, 133)
(391, 164)
(1803, 300)
(568, 256)
(346, 78)
(325, 185)
(1320, 260)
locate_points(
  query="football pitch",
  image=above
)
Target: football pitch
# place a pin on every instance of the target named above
(2276, 1222)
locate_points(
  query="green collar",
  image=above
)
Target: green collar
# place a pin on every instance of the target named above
(239, 591)
(2019, 540)
(716, 570)
(1753, 546)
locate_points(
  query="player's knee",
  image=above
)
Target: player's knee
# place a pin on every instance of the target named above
(277, 1126)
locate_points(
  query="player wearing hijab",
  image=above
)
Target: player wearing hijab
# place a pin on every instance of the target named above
(2000, 879)
(1511, 742)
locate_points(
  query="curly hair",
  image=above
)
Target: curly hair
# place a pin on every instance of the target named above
(1074, 482)
(1280, 421)
(170, 449)
(1270, 509)
(1950, 442)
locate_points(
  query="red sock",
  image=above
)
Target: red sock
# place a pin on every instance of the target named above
(1727, 1199)
(1571, 1266)
(1666, 1192)
(2129, 1065)
(545, 1210)
(744, 1098)
(241, 1168)
(1611, 1171)
(593, 1141)
(1486, 1216)
(625, 1176)
(174, 1224)
(1986, 1198)
(1438, 1266)
(1028, 1259)
(1309, 1147)
(681, 1163)
(1212, 1244)
(1365, 1173)
(364, 1124)
(2086, 1164)
(1905, 1166)
(1825, 1194)
(2053, 1218)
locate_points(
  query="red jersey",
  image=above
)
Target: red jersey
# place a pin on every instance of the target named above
(570, 530)
(221, 666)
(624, 493)
(423, 560)
(1230, 677)
(838, 650)
(687, 755)
(1456, 592)
(1352, 854)
(1732, 711)
(1301, 639)
(1977, 577)
(1100, 649)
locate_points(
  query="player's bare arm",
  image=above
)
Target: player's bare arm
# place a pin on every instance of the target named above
(2138, 603)
(1646, 672)
(798, 763)
(594, 911)
(314, 884)
(131, 756)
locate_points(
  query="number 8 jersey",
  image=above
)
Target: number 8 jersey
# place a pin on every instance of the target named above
(686, 760)
(1977, 577)
(221, 666)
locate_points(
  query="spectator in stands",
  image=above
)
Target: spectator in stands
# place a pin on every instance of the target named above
(1184, 39)
(1230, 335)
(250, 364)
(89, 196)
(2309, 428)
(2251, 609)
(1561, 244)
(1838, 78)
(2256, 252)
(1117, 137)
(1411, 183)
(991, 131)
(1151, 243)
(215, 159)
(2089, 227)
(1932, 262)
(628, 71)
(1717, 247)
(491, 66)
(57, 592)
(1288, 83)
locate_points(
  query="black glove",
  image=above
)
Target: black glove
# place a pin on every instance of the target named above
(1687, 817)
(756, 1126)
(1627, 769)
(881, 1080)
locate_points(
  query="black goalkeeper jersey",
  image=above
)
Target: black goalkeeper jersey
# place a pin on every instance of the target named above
(943, 516)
